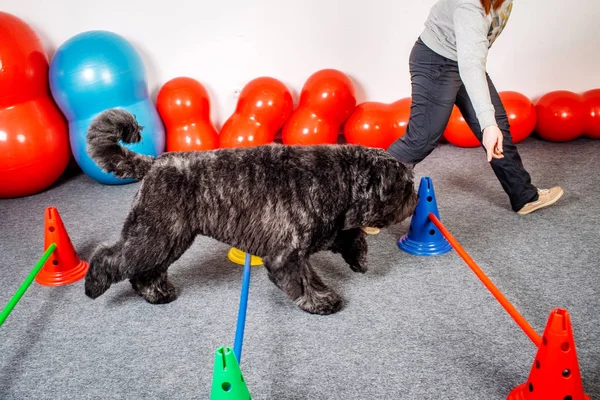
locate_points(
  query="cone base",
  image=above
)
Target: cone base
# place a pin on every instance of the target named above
(423, 248)
(60, 278)
(228, 381)
(521, 393)
(239, 257)
(518, 393)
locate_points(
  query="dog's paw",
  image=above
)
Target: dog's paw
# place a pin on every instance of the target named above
(355, 251)
(357, 260)
(323, 303)
(95, 288)
(359, 266)
(160, 292)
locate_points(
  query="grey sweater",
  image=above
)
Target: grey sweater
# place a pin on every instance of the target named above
(460, 30)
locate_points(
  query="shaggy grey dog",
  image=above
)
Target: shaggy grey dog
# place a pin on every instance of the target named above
(281, 203)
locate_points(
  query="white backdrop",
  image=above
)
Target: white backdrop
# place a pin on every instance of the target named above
(547, 45)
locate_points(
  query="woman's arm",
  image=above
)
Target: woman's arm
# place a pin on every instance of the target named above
(472, 45)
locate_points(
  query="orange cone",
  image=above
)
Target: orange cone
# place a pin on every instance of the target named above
(555, 371)
(63, 266)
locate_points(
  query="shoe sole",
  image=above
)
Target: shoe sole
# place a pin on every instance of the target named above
(542, 205)
(371, 231)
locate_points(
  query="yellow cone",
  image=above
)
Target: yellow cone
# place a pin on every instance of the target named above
(239, 257)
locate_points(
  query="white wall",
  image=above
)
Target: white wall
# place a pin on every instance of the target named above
(548, 44)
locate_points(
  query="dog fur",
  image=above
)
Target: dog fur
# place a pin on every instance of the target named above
(282, 203)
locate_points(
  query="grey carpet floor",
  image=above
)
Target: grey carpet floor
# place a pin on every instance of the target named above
(412, 327)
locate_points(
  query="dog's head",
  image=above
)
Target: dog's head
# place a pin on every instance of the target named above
(386, 198)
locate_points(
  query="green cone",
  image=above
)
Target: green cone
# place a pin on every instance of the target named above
(228, 381)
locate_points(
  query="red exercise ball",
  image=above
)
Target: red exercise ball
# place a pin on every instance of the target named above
(374, 124)
(326, 101)
(184, 107)
(458, 131)
(34, 141)
(521, 114)
(560, 116)
(591, 102)
(264, 105)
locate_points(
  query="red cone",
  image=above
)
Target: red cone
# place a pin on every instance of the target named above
(63, 266)
(555, 371)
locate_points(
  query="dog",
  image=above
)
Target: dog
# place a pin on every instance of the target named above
(282, 203)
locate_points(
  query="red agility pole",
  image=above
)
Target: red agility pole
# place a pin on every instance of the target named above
(512, 311)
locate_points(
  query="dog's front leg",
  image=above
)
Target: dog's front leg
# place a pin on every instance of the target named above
(352, 245)
(296, 278)
(154, 287)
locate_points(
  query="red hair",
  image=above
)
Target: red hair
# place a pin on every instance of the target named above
(489, 4)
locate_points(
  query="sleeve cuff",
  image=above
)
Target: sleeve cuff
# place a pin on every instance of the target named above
(486, 119)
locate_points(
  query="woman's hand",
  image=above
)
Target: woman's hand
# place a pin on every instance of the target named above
(492, 141)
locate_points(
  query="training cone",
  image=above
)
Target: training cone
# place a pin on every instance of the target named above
(63, 266)
(228, 381)
(423, 237)
(555, 371)
(237, 256)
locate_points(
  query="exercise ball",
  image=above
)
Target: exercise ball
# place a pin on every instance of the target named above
(521, 114)
(34, 143)
(591, 107)
(326, 102)
(184, 107)
(458, 131)
(94, 71)
(560, 116)
(264, 105)
(375, 124)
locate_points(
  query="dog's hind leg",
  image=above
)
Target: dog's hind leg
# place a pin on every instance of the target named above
(148, 266)
(104, 270)
(155, 288)
(352, 245)
(296, 278)
(146, 249)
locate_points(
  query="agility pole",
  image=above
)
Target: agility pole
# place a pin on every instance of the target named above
(512, 311)
(241, 322)
(25, 285)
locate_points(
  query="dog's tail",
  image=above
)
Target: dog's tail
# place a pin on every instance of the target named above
(104, 134)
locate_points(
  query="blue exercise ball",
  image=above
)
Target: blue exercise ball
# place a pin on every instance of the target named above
(94, 71)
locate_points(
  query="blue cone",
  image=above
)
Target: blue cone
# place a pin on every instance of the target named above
(423, 237)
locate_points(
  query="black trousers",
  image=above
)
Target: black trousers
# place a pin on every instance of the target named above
(436, 88)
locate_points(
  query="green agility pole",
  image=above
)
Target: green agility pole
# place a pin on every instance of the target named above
(25, 285)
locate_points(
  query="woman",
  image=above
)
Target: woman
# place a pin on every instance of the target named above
(448, 67)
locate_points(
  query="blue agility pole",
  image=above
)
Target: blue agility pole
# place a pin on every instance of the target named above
(241, 322)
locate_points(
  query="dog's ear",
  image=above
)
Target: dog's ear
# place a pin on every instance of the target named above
(410, 202)
(352, 218)
(387, 178)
